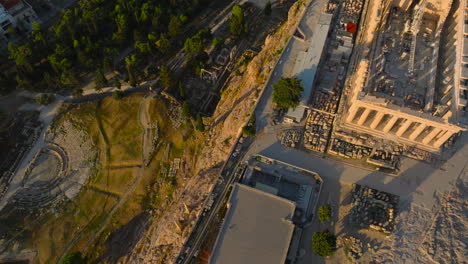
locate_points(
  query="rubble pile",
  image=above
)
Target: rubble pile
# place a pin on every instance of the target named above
(332, 72)
(175, 115)
(174, 167)
(373, 209)
(154, 143)
(352, 11)
(326, 102)
(353, 247)
(317, 130)
(290, 137)
(345, 149)
(418, 154)
(382, 158)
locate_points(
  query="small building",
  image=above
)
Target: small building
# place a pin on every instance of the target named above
(16, 14)
(253, 232)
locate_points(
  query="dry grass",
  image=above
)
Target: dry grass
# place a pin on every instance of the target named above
(115, 130)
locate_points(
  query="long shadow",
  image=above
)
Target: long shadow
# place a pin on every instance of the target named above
(420, 188)
(238, 101)
(122, 240)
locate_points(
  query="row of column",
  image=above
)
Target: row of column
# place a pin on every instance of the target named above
(424, 133)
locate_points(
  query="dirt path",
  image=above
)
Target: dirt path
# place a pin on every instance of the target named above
(145, 123)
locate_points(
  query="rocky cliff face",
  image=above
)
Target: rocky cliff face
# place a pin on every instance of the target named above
(165, 238)
(238, 99)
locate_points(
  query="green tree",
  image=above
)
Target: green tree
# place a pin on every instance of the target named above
(267, 10)
(175, 26)
(130, 62)
(165, 76)
(238, 25)
(45, 99)
(287, 92)
(248, 131)
(38, 34)
(199, 123)
(100, 81)
(122, 33)
(195, 43)
(324, 213)
(186, 110)
(163, 43)
(324, 243)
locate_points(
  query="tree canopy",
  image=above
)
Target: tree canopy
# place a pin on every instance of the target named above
(324, 243)
(165, 76)
(238, 25)
(324, 213)
(90, 35)
(287, 92)
(100, 81)
(196, 43)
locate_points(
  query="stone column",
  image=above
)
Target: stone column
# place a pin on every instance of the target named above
(403, 127)
(431, 135)
(391, 122)
(377, 119)
(352, 113)
(364, 116)
(442, 139)
(417, 132)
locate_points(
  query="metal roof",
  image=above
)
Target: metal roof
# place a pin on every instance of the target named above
(257, 228)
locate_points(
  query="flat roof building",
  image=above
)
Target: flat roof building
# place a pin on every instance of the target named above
(258, 228)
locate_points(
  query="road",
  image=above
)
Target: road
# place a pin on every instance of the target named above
(228, 176)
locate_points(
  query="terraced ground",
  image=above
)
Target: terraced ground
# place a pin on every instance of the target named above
(120, 187)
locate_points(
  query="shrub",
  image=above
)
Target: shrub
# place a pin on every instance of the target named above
(324, 213)
(324, 243)
(100, 81)
(248, 131)
(45, 99)
(199, 123)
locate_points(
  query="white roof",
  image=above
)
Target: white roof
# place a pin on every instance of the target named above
(257, 228)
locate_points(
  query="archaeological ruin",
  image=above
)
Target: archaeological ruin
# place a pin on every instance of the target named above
(412, 92)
